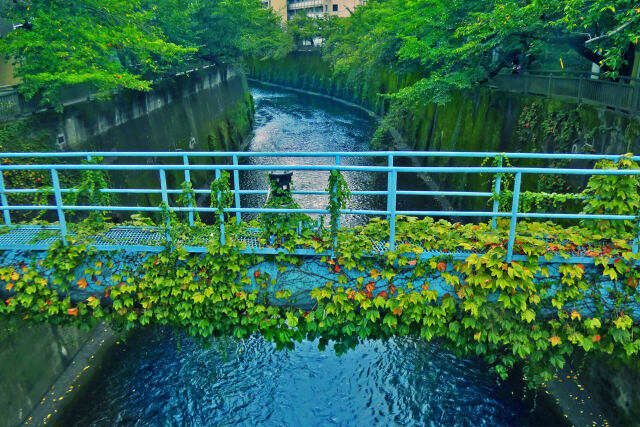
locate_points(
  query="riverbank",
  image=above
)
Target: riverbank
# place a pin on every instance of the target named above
(482, 119)
(36, 361)
(68, 386)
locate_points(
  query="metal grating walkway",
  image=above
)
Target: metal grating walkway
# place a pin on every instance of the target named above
(137, 239)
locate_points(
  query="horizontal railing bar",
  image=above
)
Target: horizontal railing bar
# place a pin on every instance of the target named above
(207, 192)
(444, 193)
(576, 216)
(451, 213)
(319, 211)
(62, 167)
(179, 154)
(430, 169)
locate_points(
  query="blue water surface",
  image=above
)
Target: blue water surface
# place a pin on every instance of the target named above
(154, 379)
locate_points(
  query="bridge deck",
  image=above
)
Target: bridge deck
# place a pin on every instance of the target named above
(152, 239)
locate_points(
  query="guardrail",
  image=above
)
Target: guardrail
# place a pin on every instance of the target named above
(9, 103)
(623, 94)
(303, 4)
(333, 162)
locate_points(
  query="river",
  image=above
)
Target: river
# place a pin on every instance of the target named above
(156, 378)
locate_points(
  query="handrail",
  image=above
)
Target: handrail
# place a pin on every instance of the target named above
(589, 74)
(623, 94)
(181, 154)
(333, 163)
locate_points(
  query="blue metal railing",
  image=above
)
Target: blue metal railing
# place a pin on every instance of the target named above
(333, 163)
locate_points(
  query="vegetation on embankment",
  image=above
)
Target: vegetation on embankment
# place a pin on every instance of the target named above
(505, 312)
(129, 44)
(479, 119)
(186, 116)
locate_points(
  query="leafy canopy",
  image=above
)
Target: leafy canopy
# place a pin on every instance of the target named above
(454, 44)
(108, 45)
(111, 44)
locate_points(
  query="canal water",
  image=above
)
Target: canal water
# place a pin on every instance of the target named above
(156, 378)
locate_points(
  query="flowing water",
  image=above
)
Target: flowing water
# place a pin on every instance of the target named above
(290, 122)
(158, 379)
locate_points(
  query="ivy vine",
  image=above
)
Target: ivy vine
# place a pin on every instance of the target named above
(504, 312)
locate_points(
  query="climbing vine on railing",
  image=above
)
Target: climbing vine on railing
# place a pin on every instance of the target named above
(613, 194)
(522, 311)
(281, 229)
(92, 182)
(339, 195)
(188, 198)
(221, 195)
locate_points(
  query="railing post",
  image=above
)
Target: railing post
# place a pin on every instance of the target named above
(496, 195)
(579, 88)
(3, 200)
(392, 184)
(187, 179)
(236, 189)
(218, 195)
(335, 196)
(514, 215)
(165, 200)
(58, 197)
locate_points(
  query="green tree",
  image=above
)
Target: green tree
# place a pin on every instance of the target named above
(229, 30)
(105, 44)
(455, 44)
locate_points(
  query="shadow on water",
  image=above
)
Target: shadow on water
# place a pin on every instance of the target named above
(149, 381)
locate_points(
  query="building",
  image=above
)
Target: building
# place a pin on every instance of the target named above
(313, 8)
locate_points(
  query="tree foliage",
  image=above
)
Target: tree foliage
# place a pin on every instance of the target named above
(228, 30)
(106, 44)
(111, 44)
(454, 44)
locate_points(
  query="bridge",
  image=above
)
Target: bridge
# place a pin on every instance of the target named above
(509, 232)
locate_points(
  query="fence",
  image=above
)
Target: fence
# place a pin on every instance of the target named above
(9, 103)
(623, 94)
(333, 162)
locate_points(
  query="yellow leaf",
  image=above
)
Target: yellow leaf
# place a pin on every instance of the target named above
(575, 314)
(555, 340)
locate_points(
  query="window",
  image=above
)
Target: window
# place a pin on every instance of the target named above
(335, 7)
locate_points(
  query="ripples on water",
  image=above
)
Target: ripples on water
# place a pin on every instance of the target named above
(147, 381)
